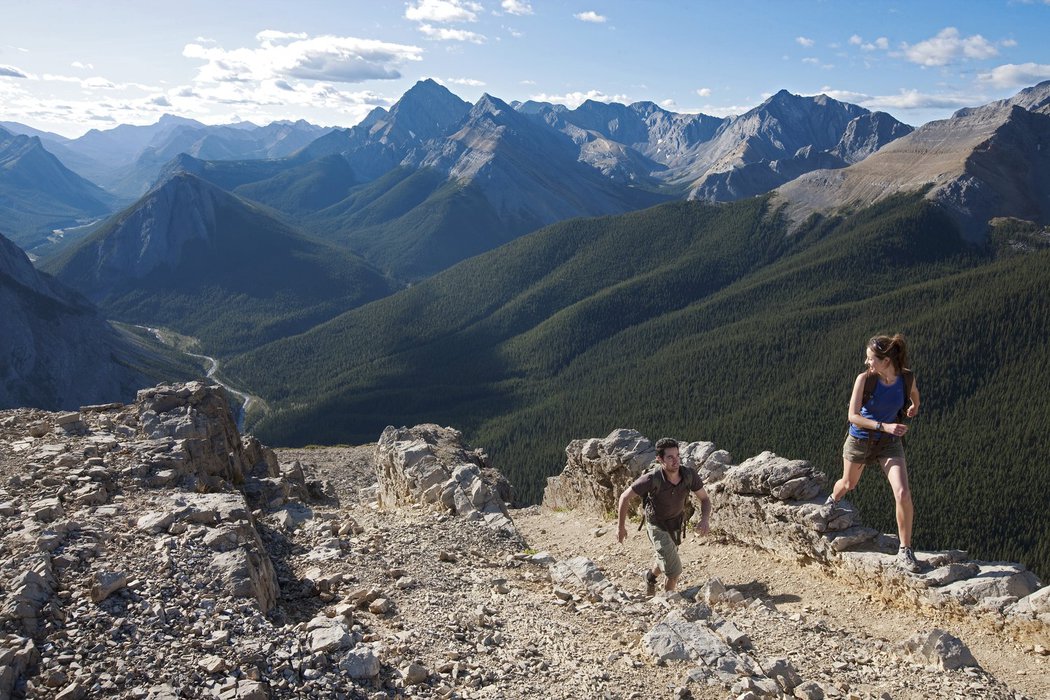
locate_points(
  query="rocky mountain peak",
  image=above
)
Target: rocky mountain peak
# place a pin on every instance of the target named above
(489, 105)
(153, 232)
(429, 99)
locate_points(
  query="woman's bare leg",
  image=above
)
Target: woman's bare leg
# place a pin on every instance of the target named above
(851, 472)
(896, 472)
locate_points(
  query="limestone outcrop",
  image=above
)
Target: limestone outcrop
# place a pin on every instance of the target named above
(597, 470)
(430, 465)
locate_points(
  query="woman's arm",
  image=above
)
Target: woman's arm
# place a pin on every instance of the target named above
(855, 400)
(913, 410)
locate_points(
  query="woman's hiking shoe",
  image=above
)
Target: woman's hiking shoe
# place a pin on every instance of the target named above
(650, 583)
(831, 507)
(907, 561)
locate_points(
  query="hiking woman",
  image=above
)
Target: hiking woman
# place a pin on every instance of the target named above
(876, 411)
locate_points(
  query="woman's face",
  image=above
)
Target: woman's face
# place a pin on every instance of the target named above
(874, 363)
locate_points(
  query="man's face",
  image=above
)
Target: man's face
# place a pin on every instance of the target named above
(670, 460)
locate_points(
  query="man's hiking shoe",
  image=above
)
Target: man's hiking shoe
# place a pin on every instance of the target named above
(650, 583)
(907, 561)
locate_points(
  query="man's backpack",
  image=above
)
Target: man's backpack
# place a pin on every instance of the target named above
(676, 529)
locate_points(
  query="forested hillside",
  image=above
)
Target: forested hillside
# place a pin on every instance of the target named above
(709, 322)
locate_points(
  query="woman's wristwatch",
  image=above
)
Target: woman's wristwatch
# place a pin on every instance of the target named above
(879, 427)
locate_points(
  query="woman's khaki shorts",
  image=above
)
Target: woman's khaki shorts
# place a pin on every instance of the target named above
(665, 549)
(857, 451)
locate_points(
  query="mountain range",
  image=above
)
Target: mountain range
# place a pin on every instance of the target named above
(434, 179)
(500, 268)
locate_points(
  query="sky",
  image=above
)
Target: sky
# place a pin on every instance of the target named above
(71, 66)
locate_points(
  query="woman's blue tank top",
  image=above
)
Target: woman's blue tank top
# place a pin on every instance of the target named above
(883, 406)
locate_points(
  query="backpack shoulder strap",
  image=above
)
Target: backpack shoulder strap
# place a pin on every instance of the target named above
(869, 388)
(909, 383)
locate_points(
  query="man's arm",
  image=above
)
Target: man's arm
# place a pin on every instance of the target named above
(705, 510)
(626, 498)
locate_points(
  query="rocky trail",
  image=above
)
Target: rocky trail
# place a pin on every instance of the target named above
(150, 551)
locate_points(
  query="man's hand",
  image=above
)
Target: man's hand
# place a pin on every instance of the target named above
(703, 526)
(621, 533)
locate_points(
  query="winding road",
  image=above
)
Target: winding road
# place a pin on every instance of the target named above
(213, 368)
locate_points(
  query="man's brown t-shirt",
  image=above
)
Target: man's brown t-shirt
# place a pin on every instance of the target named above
(667, 500)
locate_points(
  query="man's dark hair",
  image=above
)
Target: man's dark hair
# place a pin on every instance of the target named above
(663, 443)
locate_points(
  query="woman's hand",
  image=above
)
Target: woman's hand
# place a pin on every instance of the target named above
(913, 411)
(897, 429)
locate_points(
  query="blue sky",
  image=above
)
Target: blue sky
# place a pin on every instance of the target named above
(71, 66)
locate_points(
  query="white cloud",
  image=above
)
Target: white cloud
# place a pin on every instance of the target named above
(668, 104)
(334, 58)
(811, 61)
(98, 83)
(804, 41)
(53, 78)
(881, 43)
(591, 16)
(80, 65)
(1010, 43)
(469, 82)
(443, 11)
(1014, 75)
(856, 40)
(575, 99)
(904, 100)
(516, 7)
(11, 72)
(948, 47)
(704, 92)
(528, 82)
(271, 37)
(445, 34)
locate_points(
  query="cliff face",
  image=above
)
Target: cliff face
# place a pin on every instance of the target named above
(57, 351)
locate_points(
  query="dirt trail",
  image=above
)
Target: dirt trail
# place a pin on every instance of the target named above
(807, 591)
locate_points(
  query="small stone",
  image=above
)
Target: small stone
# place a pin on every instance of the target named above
(212, 664)
(106, 583)
(809, 690)
(360, 663)
(414, 674)
(380, 606)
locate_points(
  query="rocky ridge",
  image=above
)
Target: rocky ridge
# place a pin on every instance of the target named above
(983, 162)
(150, 551)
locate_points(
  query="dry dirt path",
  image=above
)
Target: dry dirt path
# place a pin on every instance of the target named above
(806, 591)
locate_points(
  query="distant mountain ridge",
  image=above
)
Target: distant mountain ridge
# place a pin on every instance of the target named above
(981, 163)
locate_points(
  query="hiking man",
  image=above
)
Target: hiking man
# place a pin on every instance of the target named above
(664, 491)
